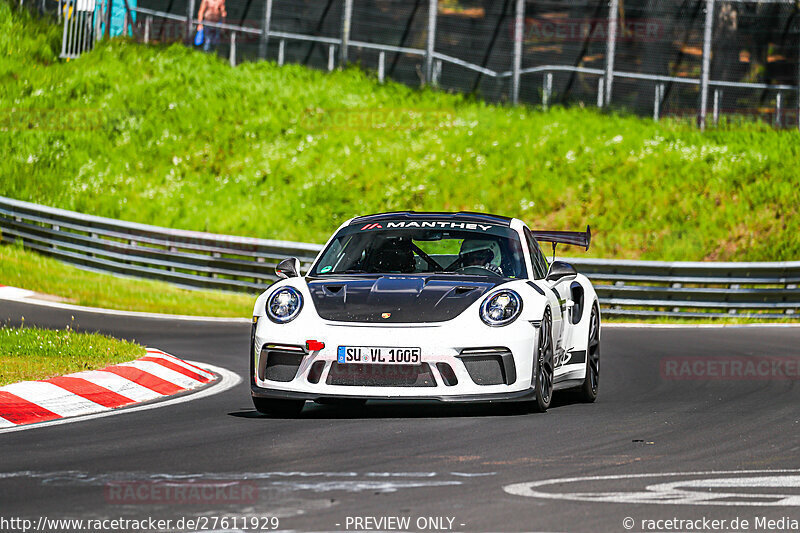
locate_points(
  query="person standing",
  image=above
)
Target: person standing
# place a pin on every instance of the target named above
(211, 11)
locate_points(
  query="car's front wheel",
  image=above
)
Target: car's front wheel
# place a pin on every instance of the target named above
(269, 406)
(543, 378)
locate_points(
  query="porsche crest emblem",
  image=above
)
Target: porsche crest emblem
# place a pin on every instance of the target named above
(386, 315)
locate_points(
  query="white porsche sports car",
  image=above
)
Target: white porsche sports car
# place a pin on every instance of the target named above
(456, 307)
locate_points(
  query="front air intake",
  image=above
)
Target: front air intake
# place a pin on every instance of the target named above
(279, 362)
(361, 375)
(489, 366)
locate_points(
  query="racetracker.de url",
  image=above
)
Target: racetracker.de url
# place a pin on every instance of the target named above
(754, 523)
(45, 524)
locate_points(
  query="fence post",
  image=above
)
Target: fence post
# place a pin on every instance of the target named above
(715, 113)
(189, 18)
(706, 64)
(778, 109)
(611, 48)
(281, 52)
(106, 16)
(547, 90)
(519, 20)
(347, 17)
(657, 102)
(148, 21)
(433, 10)
(437, 73)
(331, 57)
(64, 33)
(381, 66)
(232, 55)
(600, 92)
(264, 41)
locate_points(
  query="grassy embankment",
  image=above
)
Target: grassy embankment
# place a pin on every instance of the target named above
(33, 353)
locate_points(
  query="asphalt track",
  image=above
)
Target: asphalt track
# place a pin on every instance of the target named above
(429, 460)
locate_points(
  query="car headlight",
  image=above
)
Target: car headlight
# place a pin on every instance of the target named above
(284, 305)
(501, 308)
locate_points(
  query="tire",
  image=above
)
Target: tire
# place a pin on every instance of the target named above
(268, 406)
(588, 390)
(543, 376)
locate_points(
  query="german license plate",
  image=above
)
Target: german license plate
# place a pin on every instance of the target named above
(379, 355)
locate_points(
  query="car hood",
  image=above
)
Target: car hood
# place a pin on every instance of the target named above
(397, 298)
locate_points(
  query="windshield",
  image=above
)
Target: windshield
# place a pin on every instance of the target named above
(395, 248)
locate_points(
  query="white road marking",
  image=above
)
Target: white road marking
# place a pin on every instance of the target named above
(14, 293)
(227, 381)
(730, 490)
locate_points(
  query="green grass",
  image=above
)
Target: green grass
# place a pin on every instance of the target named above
(29, 270)
(33, 353)
(174, 137)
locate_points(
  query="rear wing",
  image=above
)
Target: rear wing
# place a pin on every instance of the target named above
(577, 238)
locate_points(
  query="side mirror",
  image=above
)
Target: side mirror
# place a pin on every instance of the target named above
(288, 268)
(561, 271)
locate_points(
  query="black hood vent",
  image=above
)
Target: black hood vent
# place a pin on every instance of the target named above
(396, 298)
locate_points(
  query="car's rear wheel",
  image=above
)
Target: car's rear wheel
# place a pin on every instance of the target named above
(588, 391)
(543, 378)
(269, 406)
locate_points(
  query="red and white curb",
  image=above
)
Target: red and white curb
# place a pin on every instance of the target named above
(156, 375)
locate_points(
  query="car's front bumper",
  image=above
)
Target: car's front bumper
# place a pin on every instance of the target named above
(448, 343)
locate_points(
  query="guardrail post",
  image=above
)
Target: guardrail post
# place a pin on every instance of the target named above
(281, 52)
(519, 20)
(381, 66)
(189, 19)
(717, 101)
(705, 67)
(547, 89)
(433, 10)
(264, 40)
(778, 109)
(611, 48)
(347, 17)
(331, 57)
(215, 255)
(232, 54)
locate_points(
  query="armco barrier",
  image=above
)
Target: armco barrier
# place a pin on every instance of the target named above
(206, 260)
